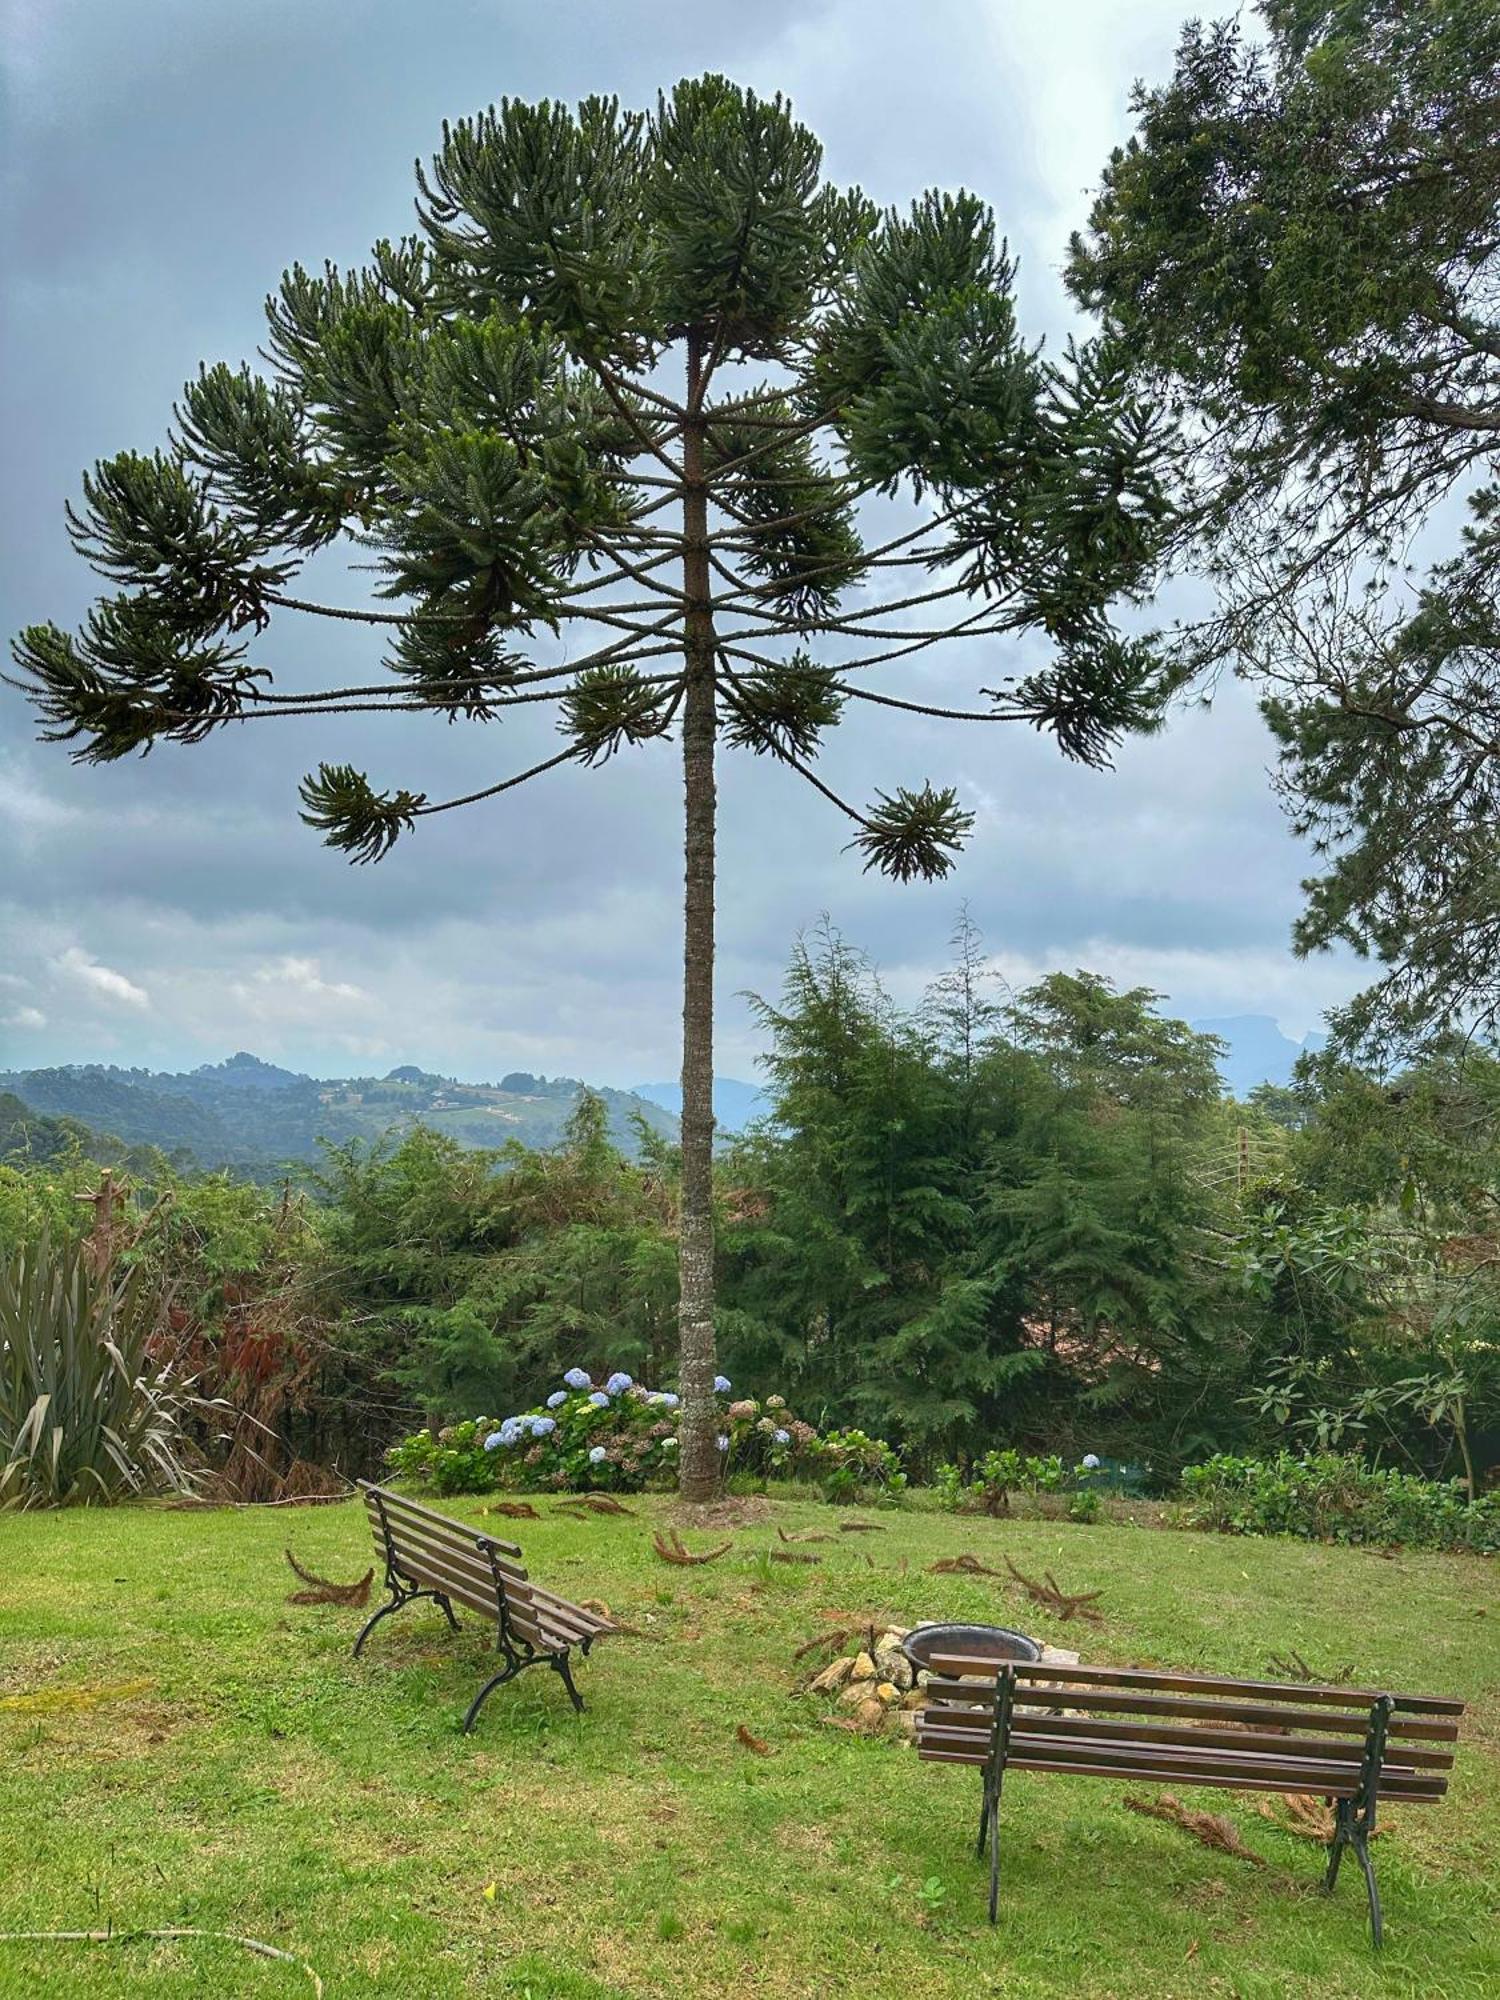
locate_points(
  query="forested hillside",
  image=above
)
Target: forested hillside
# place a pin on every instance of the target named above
(253, 1116)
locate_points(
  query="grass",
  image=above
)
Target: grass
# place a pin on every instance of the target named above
(180, 1747)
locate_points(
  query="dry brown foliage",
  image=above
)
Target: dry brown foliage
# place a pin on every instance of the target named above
(670, 1548)
(1212, 1829)
(321, 1591)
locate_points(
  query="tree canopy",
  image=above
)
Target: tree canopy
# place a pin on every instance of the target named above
(1301, 247)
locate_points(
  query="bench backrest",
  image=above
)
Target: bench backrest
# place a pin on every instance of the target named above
(472, 1569)
(1203, 1729)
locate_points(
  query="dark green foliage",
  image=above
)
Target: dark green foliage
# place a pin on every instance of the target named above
(1299, 246)
(783, 709)
(910, 835)
(1333, 1498)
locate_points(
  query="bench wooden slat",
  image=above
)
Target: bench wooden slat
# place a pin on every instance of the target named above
(459, 1559)
(1097, 1700)
(976, 1723)
(1238, 1782)
(438, 1574)
(432, 1527)
(1167, 1761)
(461, 1549)
(959, 1664)
(399, 1503)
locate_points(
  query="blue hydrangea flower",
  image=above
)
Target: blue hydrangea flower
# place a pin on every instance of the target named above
(512, 1430)
(598, 1455)
(494, 1441)
(577, 1378)
(556, 1400)
(618, 1384)
(722, 1442)
(1091, 1461)
(599, 1400)
(722, 1385)
(783, 1437)
(668, 1400)
(543, 1426)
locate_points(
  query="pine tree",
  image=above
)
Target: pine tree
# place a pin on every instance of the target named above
(634, 377)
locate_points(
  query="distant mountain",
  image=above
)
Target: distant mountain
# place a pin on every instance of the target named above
(736, 1105)
(249, 1114)
(1256, 1050)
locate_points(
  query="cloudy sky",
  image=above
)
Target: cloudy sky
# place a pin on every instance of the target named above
(163, 162)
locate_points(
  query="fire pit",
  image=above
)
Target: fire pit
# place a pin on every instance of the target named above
(985, 1642)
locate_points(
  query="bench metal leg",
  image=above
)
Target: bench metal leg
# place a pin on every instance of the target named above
(399, 1600)
(994, 1778)
(561, 1669)
(1354, 1819)
(512, 1667)
(517, 1663)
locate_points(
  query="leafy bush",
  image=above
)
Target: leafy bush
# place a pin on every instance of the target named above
(1336, 1496)
(990, 1481)
(848, 1464)
(89, 1411)
(617, 1436)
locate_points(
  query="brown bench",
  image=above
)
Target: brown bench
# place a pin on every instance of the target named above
(428, 1555)
(1348, 1745)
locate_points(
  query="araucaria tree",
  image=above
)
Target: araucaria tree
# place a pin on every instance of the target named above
(634, 376)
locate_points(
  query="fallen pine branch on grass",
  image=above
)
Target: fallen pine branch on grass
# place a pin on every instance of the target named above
(861, 1528)
(1212, 1829)
(804, 1535)
(671, 1548)
(756, 1743)
(515, 1510)
(321, 1591)
(1294, 1668)
(964, 1565)
(1306, 1814)
(793, 1556)
(255, 1945)
(1067, 1604)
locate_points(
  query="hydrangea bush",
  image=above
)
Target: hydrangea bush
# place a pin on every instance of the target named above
(618, 1436)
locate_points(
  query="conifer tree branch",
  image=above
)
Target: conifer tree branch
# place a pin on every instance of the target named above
(425, 810)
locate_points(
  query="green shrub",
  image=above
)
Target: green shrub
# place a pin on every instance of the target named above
(848, 1464)
(1336, 1497)
(991, 1480)
(90, 1411)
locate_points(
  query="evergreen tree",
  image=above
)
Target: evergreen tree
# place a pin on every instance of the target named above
(633, 378)
(1302, 244)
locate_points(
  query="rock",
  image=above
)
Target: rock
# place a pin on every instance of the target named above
(863, 1669)
(1058, 1656)
(834, 1676)
(870, 1717)
(914, 1699)
(907, 1722)
(856, 1693)
(890, 1662)
(887, 1693)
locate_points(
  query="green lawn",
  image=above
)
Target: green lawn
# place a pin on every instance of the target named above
(232, 1768)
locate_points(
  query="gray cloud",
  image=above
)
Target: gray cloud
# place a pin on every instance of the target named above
(163, 163)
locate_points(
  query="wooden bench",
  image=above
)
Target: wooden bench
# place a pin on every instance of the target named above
(428, 1555)
(1348, 1745)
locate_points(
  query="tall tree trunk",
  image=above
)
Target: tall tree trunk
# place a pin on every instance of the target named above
(697, 1431)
